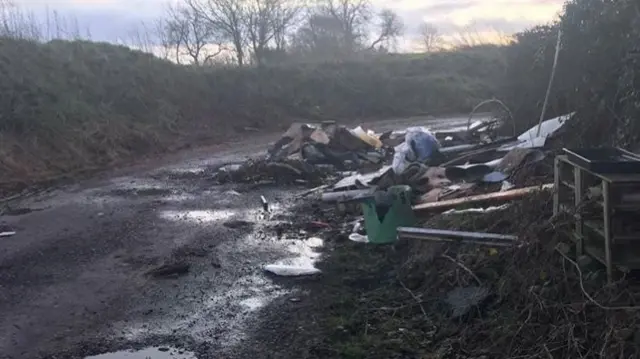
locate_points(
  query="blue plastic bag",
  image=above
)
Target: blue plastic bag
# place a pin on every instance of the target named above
(422, 142)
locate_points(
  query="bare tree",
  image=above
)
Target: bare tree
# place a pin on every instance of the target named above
(268, 22)
(320, 37)
(390, 27)
(285, 18)
(430, 37)
(166, 44)
(192, 35)
(354, 17)
(227, 18)
(339, 29)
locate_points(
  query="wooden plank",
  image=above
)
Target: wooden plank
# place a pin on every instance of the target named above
(497, 197)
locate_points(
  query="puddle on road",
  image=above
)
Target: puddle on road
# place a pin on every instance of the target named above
(149, 353)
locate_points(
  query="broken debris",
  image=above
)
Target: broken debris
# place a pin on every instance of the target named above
(238, 224)
(285, 270)
(463, 300)
(170, 270)
(439, 235)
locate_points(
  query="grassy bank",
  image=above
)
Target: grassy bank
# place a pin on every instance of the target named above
(68, 107)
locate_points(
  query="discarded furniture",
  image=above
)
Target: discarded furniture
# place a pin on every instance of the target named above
(604, 214)
(439, 235)
(387, 211)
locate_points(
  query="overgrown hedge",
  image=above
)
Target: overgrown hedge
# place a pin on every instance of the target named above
(69, 106)
(596, 73)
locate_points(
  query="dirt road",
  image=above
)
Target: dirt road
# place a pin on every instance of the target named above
(77, 278)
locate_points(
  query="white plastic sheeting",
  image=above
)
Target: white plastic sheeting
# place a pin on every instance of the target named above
(531, 139)
(285, 270)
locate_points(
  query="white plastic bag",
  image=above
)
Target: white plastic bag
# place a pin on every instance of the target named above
(402, 158)
(290, 270)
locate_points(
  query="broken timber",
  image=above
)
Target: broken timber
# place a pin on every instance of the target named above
(482, 199)
(438, 235)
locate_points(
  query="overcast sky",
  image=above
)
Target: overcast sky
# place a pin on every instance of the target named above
(109, 20)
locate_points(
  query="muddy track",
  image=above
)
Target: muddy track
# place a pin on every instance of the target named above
(150, 259)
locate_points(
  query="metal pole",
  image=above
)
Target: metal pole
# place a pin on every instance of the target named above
(553, 75)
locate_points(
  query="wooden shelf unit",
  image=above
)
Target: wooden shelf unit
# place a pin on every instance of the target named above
(599, 235)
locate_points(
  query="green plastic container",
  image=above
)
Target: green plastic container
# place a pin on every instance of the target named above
(387, 211)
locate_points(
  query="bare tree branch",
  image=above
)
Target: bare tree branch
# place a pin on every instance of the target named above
(227, 18)
(269, 21)
(430, 38)
(354, 17)
(390, 27)
(191, 34)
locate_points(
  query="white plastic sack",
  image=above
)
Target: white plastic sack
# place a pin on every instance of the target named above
(290, 271)
(402, 158)
(360, 238)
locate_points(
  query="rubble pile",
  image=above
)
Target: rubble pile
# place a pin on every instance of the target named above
(439, 167)
(487, 272)
(286, 171)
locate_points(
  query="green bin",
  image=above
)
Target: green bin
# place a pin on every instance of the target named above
(385, 212)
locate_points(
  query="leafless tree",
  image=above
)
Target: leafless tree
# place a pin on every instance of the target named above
(166, 44)
(320, 37)
(227, 18)
(430, 38)
(390, 27)
(286, 17)
(267, 22)
(354, 17)
(192, 35)
(339, 29)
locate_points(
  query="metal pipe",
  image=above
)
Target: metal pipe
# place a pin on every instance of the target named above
(347, 196)
(428, 233)
(553, 75)
(451, 240)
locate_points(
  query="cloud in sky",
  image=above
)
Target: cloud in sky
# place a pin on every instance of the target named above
(109, 20)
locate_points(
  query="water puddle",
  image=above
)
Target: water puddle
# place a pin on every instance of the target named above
(149, 353)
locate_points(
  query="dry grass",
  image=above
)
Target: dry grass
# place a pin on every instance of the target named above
(542, 305)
